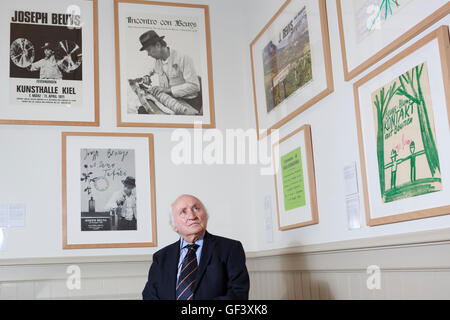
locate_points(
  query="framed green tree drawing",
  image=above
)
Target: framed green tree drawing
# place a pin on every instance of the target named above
(369, 30)
(402, 111)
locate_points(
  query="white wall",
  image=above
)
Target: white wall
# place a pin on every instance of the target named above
(335, 145)
(30, 156)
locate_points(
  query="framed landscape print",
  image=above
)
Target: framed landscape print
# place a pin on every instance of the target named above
(291, 63)
(371, 29)
(163, 64)
(108, 190)
(403, 119)
(295, 185)
(49, 62)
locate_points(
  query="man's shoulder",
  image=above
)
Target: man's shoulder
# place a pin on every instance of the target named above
(223, 240)
(167, 249)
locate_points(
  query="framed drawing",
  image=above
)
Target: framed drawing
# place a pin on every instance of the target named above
(371, 29)
(403, 119)
(291, 63)
(295, 185)
(108, 190)
(163, 64)
(51, 65)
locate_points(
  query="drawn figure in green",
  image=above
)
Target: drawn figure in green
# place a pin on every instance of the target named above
(402, 108)
(412, 148)
(393, 168)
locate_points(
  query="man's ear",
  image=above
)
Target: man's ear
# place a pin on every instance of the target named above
(174, 227)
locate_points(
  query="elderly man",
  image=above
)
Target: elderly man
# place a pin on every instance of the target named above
(200, 265)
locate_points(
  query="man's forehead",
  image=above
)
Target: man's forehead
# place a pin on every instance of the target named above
(186, 201)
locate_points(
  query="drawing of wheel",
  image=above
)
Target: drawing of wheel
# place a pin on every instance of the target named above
(22, 52)
(70, 54)
(101, 183)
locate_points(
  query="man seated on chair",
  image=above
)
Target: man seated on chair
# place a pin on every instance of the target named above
(200, 265)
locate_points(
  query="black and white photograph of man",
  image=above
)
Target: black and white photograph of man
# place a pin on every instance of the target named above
(178, 88)
(49, 67)
(108, 190)
(123, 204)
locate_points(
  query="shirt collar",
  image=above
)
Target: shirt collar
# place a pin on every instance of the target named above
(199, 241)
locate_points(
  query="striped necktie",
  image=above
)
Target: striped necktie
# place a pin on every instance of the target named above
(186, 280)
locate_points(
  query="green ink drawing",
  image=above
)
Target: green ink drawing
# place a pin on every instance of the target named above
(293, 180)
(408, 162)
(386, 7)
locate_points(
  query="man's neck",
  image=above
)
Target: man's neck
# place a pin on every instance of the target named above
(193, 238)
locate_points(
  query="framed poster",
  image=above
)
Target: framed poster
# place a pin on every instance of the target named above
(291, 63)
(295, 185)
(50, 62)
(403, 119)
(163, 64)
(371, 29)
(108, 190)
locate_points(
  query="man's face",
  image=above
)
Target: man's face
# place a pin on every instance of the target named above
(48, 52)
(154, 51)
(189, 216)
(127, 189)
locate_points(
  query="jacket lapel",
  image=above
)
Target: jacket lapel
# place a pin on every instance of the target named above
(207, 251)
(174, 256)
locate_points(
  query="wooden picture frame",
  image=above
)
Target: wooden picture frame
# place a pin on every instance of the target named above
(148, 95)
(403, 120)
(283, 89)
(53, 63)
(362, 48)
(121, 211)
(295, 186)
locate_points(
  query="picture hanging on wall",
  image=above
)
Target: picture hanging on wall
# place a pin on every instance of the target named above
(295, 185)
(403, 119)
(50, 62)
(291, 63)
(108, 190)
(163, 64)
(371, 29)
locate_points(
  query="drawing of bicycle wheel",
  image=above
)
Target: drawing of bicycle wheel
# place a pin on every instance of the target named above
(22, 52)
(70, 54)
(101, 183)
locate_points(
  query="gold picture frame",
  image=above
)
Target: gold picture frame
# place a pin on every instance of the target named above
(297, 195)
(301, 25)
(106, 162)
(53, 99)
(138, 105)
(395, 41)
(428, 60)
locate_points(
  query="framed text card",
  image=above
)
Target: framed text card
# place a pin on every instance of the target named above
(295, 185)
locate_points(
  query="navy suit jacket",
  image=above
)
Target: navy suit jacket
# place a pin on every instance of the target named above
(222, 273)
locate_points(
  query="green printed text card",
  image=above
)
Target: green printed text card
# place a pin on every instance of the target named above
(292, 177)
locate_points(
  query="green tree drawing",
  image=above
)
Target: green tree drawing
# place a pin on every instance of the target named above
(381, 103)
(410, 87)
(386, 6)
